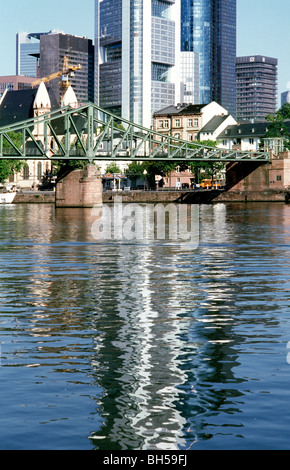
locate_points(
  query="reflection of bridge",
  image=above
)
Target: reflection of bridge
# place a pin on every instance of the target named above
(89, 133)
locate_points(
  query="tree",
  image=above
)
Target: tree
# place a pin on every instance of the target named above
(154, 168)
(212, 168)
(9, 167)
(277, 126)
(64, 167)
(149, 170)
(208, 168)
(165, 167)
(285, 111)
(135, 170)
(113, 168)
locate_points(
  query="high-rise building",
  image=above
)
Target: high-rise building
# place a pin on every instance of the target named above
(27, 53)
(137, 56)
(208, 27)
(285, 97)
(257, 82)
(27, 47)
(79, 51)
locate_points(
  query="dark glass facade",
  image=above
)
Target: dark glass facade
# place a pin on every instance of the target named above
(78, 50)
(208, 27)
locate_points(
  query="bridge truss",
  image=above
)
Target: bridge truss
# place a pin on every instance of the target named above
(90, 133)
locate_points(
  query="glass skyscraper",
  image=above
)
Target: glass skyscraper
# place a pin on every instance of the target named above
(27, 47)
(27, 53)
(208, 27)
(79, 51)
(137, 56)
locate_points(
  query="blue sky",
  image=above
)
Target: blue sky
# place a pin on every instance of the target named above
(263, 27)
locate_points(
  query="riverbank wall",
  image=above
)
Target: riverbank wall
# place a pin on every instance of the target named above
(188, 197)
(181, 197)
(252, 196)
(35, 197)
(196, 197)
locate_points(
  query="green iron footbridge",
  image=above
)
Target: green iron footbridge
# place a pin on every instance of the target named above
(90, 133)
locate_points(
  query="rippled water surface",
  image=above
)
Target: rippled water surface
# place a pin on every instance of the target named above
(117, 346)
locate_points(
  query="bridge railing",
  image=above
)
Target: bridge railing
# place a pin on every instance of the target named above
(91, 133)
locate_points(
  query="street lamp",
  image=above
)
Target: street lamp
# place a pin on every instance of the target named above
(144, 173)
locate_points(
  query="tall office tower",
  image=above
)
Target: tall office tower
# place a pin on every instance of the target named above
(137, 57)
(285, 97)
(27, 53)
(208, 27)
(79, 51)
(27, 47)
(257, 79)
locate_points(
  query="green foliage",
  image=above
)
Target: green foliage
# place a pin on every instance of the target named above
(63, 167)
(116, 125)
(15, 137)
(9, 167)
(158, 168)
(209, 169)
(284, 112)
(277, 126)
(113, 168)
(136, 169)
(148, 170)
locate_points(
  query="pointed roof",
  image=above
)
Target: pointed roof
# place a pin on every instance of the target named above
(214, 123)
(16, 106)
(70, 98)
(42, 99)
(181, 108)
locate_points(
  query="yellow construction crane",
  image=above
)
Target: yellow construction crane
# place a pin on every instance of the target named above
(64, 83)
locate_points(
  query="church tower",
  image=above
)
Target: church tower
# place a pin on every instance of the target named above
(41, 106)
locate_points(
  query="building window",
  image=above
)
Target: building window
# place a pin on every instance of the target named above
(190, 121)
(26, 172)
(166, 124)
(251, 141)
(39, 171)
(190, 137)
(278, 178)
(177, 122)
(160, 124)
(196, 123)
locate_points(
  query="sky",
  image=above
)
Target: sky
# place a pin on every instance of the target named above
(262, 28)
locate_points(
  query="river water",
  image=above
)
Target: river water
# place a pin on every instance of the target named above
(117, 346)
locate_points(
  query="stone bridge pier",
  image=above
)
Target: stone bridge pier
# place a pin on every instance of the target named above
(80, 188)
(254, 181)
